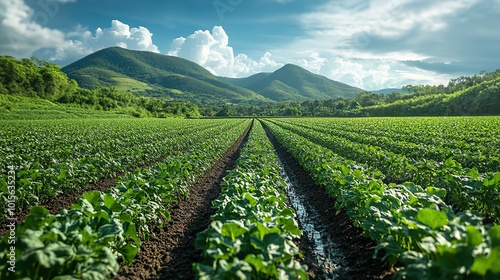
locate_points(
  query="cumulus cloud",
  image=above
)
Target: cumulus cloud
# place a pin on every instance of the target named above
(82, 42)
(212, 51)
(24, 34)
(23, 31)
(390, 43)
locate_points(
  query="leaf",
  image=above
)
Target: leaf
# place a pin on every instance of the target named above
(494, 234)
(94, 197)
(428, 244)
(38, 218)
(432, 218)
(493, 182)
(30, 240)
(289, 226)
(474, 237)
(128, 252)
(483, 264)
(111, 204)
(63, 174)
(441, 193)
(59, 253)
(110, 231)
(233, 229)
(251, 199)
(131, 232)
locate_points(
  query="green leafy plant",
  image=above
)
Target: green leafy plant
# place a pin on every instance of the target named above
(251, 234)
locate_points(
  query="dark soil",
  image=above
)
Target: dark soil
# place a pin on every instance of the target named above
(356, 249)
(169, 254)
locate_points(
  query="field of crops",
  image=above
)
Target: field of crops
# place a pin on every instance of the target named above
(425, 190)
(420, 187)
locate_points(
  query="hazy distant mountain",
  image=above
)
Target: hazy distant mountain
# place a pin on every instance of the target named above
(153, 74)
(387, 91)
(293, 83)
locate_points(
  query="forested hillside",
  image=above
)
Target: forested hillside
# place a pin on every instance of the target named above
(44, 81)
(467, 95)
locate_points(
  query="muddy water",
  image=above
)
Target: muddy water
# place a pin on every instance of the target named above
(327, 253)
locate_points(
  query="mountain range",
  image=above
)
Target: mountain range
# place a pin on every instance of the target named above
(157, 75)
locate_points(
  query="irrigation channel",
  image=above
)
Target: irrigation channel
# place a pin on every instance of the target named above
(333, 248)
(326, 252)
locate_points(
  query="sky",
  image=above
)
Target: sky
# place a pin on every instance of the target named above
(371, 44)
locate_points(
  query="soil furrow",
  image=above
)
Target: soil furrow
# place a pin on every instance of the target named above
(356, 249)
(170, 252)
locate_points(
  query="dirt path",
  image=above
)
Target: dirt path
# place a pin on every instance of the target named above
(169, 254)
(357, 250)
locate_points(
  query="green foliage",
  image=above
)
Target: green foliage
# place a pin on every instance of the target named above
(251, 234)
(474, 95)
(34, 78)
(45, 81)
(13, 107)
(55, 156)
(411, 224)
(86, 241)
(408, 149)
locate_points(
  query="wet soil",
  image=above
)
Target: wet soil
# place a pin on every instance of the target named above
(355, 249)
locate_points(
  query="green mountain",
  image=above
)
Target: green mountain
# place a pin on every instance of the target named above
(156, 75)
(152, 74)
(293, 83)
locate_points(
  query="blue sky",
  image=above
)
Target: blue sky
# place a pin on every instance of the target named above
(369, 44)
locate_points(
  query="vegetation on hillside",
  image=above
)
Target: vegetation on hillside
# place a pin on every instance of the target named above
(168, 77)
(43, 81)
(468, 95)
(293, 83)
(28, 86)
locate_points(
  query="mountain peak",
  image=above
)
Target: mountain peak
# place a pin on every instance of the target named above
(153, 74)
(294, 83)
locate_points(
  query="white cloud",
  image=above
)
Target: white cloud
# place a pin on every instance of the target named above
(23, 31)
(365, 43)
(82, 42)
(212, 51)
(342, 24)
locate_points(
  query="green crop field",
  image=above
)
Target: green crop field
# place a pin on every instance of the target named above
(426, 190)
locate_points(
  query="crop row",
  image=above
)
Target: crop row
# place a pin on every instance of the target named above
(86, 241)
(473, 142)
(447, 132)
(56, 156)
(467, 189)
(251, 234)
(412, 224)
